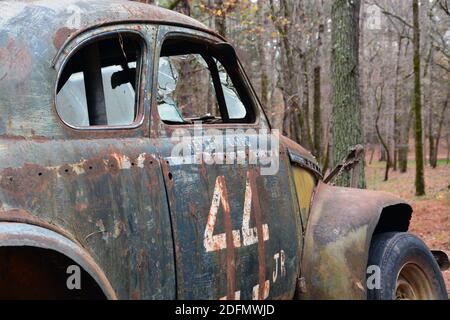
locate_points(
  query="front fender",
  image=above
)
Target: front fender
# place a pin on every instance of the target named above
(338, 236)
(14, 234)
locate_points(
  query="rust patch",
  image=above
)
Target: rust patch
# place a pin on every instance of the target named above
(231, 259)
(142, 260)
(35, 138)
(23, 216)
(81, 206)
(12, 137)
(39, 138)
(16, 62)
(67, 172)
(288, 143)
(135, 295)
(260, 231)
(113, 165)
(134, 164)
(193, 210)
(62, 35)
(29, 180)
(141, 10)
(150, 164)
(94, 168)
(119, 229)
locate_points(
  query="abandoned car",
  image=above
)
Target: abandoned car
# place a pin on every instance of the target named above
(95, 203)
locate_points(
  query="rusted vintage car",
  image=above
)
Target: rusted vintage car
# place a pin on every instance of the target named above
(93, 95)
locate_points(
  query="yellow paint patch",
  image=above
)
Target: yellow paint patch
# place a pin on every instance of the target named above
(304, 187)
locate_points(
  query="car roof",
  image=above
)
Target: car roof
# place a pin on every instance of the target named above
(34, 32)
(64, 18)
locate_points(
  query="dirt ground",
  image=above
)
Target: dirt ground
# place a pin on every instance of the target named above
(431, 216)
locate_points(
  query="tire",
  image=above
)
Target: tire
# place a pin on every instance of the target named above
(408, 270)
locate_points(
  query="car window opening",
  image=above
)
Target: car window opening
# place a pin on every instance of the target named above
(199, 82)
(98, 84)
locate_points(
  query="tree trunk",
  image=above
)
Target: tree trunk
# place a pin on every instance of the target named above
(429, 103)
(382, 154)
(379, 102)
(346, 129)
(417, 103)
(431, 145)
(394, 162)
(439, 131)
(317, 127)
(296, 131)
(286, 63)
(448, 148)
(372, 152)
(220, 19)
(317, 117)
(185, 7)
(264, 93)
(396, 103)
(303, 115)
(289, 74)
(403, 147)
(326, 159)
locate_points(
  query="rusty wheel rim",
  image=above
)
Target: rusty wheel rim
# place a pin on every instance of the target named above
(413, 284)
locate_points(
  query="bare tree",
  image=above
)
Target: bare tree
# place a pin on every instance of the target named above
(379, 98)
(417, 103)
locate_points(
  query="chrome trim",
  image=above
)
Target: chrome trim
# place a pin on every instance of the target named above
(303, 162)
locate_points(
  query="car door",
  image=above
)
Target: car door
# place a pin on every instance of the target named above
(235, 225)
(106, 181)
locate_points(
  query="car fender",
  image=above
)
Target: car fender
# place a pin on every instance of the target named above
(13, 234)
(338, 235)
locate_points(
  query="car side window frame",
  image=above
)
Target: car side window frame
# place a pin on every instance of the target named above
(217, 86)
(159, 127)
(88, 37)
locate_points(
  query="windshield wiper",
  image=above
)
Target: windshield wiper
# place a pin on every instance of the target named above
(207, 118)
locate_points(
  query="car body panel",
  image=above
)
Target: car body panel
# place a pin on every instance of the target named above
(262, 261)
(109, 195)
(337, 240)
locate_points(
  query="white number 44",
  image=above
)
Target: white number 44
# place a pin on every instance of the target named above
(249, 235)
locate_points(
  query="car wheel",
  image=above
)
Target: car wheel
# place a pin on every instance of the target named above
(406, 269)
